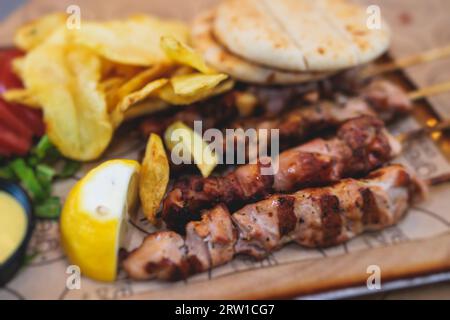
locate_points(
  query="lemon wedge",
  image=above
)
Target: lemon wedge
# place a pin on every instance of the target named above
(93, 220)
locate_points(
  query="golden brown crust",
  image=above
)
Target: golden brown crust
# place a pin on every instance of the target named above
(223, 60)
(300, 35)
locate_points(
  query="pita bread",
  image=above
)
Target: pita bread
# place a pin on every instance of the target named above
(300, 35)
(224, 61)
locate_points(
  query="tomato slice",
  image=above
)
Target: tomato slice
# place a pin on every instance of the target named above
(18, 123)
(8, 79)
(32, 118)
(10, 141)
(13, 122)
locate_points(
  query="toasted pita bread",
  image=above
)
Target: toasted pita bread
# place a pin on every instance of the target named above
(221, 59)
(300, 35)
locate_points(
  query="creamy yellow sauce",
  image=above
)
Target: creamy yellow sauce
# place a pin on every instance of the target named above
(13, 225)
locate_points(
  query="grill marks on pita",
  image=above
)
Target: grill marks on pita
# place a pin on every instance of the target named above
(299, 35)
(222, 59)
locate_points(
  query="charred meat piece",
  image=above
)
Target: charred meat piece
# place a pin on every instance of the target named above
(213, 113)
(387, 99)
(210, 242)
(168, 256)
(190, 195)
(315, 217)
(361, 145)
(161, 255)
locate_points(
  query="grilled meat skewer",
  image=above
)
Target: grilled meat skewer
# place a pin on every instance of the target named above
(222, 110)
(214, 113)
(315, 217)
(361, 145)
(380, 97)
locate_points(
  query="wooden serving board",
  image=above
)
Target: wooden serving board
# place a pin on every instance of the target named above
(419, 245)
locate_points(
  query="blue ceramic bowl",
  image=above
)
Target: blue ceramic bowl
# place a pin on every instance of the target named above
(9, 268)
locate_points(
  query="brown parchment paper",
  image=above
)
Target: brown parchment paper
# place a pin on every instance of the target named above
(420, 244)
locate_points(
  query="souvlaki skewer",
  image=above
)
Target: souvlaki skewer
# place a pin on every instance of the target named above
(361, 145)
(381, 98)
(314, 218)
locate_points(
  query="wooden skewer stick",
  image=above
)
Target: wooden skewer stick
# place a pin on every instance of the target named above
(420, 94)
(424, 57)
(434, 181)
(430, 91)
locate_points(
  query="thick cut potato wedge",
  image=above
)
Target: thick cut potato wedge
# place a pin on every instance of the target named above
(154, 178)
(187, 144)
